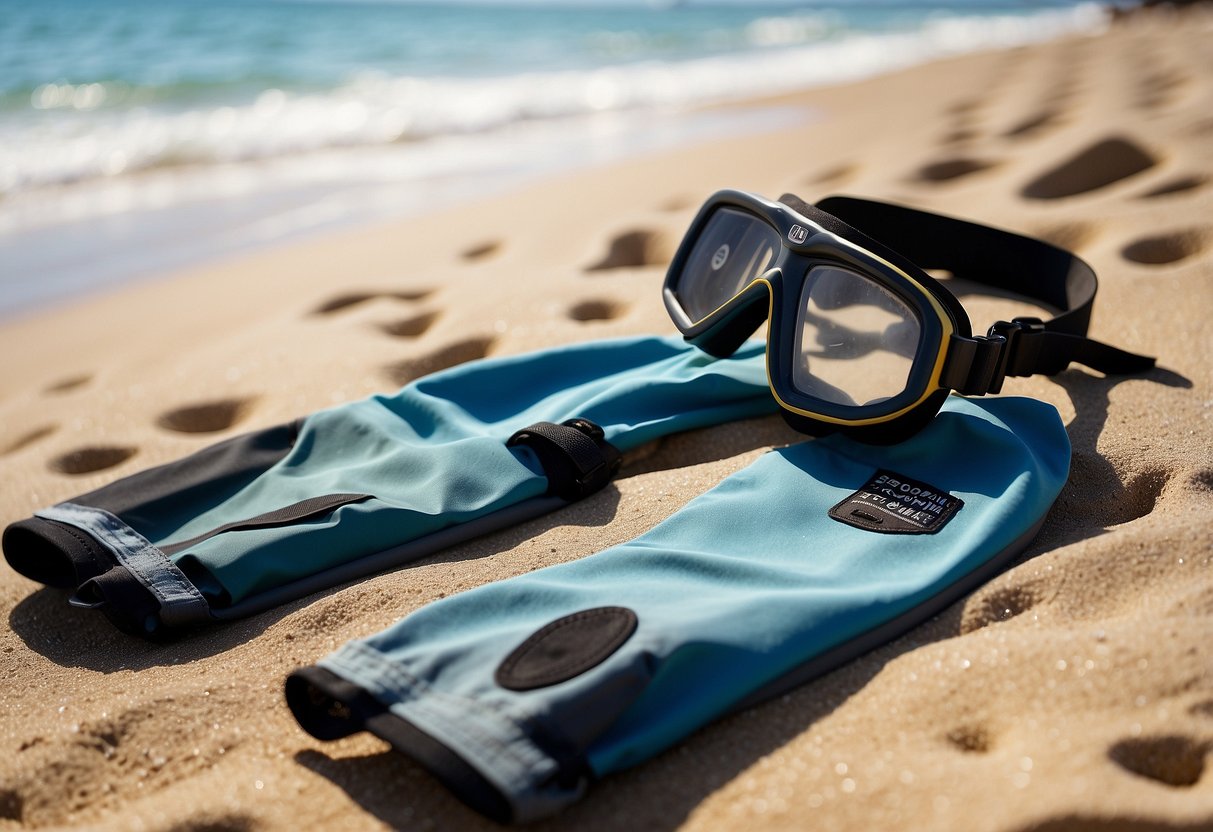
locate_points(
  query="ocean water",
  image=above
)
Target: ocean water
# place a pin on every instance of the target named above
(139, 135)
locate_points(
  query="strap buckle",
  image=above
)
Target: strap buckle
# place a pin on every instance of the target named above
(1011, 332)
(977, 366)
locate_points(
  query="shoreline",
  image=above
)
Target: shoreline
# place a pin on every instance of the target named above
(85, 235)
(1074, 689)
(267, 206)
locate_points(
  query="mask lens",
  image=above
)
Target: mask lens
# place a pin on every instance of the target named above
(856, 339)
(732, 249)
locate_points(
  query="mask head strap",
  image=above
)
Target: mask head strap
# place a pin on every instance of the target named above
(989, 256)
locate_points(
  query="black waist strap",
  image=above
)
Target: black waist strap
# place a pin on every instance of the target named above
(575, 456)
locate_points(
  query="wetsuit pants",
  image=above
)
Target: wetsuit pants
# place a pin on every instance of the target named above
(519, 693)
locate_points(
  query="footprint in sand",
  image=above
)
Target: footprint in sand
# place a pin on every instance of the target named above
(27, 439)
(1135, 499)
(1102, 164)
(1164, 249)
(12, 806)
(1202, 708)
(1061, 95)
(221, 822)
(1068, 235)
(469, 349)
(950, 170)
(678, 203)
(105, 762)
(1110, 502)
(634, 248)
(597, 309)
(971, 739)
(1034, 125)
(1201, 481)
(1172, 760)
(207, 417)
(68, 384)
(88, 460)
(482, 251)
(964, 122)
(1159, 89)
(961, 135)
(412, 327)
(347, 300)
(1179, 185)
(991, 606)
(966, 108)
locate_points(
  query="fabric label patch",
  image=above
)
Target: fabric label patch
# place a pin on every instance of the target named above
(891, 503)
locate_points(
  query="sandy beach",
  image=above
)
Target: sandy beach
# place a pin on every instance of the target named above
(1074, 692)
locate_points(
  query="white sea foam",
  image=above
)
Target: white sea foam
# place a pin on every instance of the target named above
(71, 137)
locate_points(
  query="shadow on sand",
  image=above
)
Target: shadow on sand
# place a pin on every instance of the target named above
(73, 637)
(661, 793)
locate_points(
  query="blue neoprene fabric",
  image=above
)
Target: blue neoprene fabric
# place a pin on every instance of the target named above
(362, 482)
(434, 453)
(732, 594)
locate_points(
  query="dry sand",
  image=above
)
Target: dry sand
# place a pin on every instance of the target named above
(1073, 692)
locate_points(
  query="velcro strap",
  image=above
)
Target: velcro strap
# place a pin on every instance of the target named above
(576, 459)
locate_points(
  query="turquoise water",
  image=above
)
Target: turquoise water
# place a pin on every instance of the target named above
(183, 51)
(285, 112)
